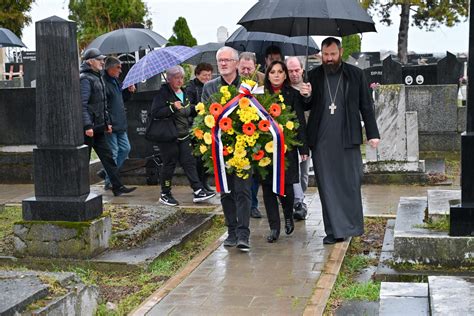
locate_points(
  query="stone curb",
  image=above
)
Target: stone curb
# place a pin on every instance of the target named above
(323, 288)
(173, 282)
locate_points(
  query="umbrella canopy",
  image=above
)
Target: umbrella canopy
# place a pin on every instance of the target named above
(156, 62)
(9, 39)
(127, 41)
(308, 17)
(258, 42)
(207, 53)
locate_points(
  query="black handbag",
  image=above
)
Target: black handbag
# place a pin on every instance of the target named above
(161, 130)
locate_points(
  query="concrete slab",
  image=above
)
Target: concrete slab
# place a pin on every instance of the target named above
(451, 295)
(438, 201)
(358, 308)
(419, 245)
(407, 306)
(403, 289)
(18, 292)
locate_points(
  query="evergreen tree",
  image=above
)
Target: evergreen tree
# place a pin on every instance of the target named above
(427, 14)
(96, 17)
(351, 44)
(14, 15)
(182, 35)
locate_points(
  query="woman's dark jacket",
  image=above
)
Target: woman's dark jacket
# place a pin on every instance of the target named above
(194, 91)
(357, 102)
(115, 104)
(94, 99)
(163, 107)
(293, 102)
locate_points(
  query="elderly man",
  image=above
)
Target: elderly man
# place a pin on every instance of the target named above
(340, 96)
(248, 65)
(95, 116)
(295, 71)
(236, 204)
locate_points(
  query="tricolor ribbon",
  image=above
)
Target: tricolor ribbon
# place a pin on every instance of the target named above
(278, 143)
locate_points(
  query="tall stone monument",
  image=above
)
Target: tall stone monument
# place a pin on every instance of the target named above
(63, 219)
(462, 215)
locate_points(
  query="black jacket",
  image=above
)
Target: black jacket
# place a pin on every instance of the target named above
(357, 102)
(293, 102)
(115, 105)
(163, 106)
(194, 91)
(94, 99)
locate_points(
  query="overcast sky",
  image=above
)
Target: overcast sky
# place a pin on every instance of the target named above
(205, 16)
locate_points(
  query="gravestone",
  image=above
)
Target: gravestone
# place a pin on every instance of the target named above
(462, 214)
(392, 71)
(450, 70)
(61, 161)
(399, 127)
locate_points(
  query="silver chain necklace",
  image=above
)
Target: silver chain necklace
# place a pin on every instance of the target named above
(333, 106)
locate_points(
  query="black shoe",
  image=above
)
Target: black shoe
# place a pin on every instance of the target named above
(230, 241)
(168, 199)
(301, 211)
(101, 174)
(274, 234)
(255, 213)
(202, 195)
(329, 240)
(108, 186)
(243, 244)
(122, 190)
(206, 187)
(289, 225)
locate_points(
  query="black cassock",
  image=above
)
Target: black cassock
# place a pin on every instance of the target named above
(338, 169)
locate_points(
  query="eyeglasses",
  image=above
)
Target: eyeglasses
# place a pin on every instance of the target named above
(225, 60)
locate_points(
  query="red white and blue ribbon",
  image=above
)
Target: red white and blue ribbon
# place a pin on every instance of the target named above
(278, 143)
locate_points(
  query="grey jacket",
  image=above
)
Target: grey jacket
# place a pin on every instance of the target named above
(212, 86)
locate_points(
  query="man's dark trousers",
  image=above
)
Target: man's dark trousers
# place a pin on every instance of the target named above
(101, 147)
(236, 205)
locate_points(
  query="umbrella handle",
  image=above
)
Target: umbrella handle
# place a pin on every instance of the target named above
(307, 52)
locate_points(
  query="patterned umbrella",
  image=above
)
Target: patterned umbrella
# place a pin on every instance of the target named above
(9, 39)
(156, 62)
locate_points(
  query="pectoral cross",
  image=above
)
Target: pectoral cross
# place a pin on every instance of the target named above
(332, 107)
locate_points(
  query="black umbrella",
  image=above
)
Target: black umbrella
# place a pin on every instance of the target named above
(258, 42)
(207, 53)
(9, 39)
(127, 40)
(308, 17)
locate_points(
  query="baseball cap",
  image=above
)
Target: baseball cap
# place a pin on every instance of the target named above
(93, 53)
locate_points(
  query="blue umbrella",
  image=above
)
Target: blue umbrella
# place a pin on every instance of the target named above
(156, 62)
(9, 39)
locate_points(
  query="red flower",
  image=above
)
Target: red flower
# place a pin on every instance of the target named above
(225, 124)
(264, 125)
(215, 109)
(259, 155)
(248, 129)
(225, 152)
(275, 110)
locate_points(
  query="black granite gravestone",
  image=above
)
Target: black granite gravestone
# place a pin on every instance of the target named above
(462, 216)
(392, 71)
(416, 75)
(61, 161)
(450, 69)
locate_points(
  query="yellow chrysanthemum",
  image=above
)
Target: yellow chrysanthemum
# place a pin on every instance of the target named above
(227, 95)
(241, 153)
(203, 149)
(208, 138)
(265, 161)
(269, 147)
(210, 121)
(250, 82)
(224, 89)
(230, 149)
(282, 99)
(223, 100)
(283, 106)
(290, 125)
(230, 131)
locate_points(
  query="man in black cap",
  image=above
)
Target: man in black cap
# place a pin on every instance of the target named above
(95, 117)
